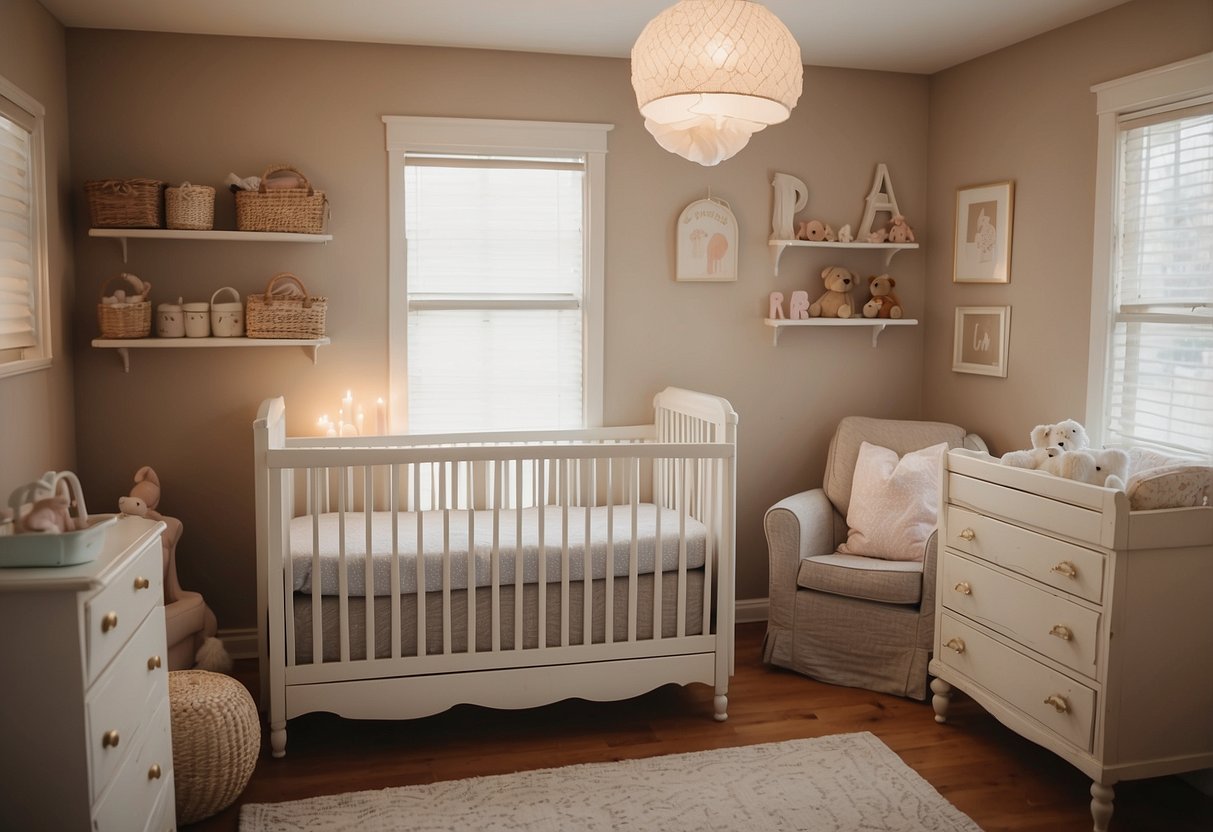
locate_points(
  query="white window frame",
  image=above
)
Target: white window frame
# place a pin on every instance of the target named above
(39, 356)
(505, 137)
(1172, 86)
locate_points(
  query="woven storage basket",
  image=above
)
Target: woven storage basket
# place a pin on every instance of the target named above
(299, 210)
(125, 203)
(216, 740)
(131, 320)
(271, 315)
(190, 207)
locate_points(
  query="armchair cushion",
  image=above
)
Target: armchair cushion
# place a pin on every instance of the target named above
(871, 579)
(894, 502)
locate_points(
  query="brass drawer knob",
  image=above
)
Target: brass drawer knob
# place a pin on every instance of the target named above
(967, 534)
(110, 739)
(1058, 702)
(142, 583)
(1066, 568)
(153, 663)
(109, 621)
(955, 644)
(1062, 632)
(963, 588)
(153, 773)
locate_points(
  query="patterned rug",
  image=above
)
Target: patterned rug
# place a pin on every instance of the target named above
(841, 782)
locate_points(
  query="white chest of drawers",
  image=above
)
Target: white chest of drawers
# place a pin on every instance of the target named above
(84, 714)
(1083, 626)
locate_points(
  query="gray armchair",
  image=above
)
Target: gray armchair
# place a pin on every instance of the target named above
(846, 619)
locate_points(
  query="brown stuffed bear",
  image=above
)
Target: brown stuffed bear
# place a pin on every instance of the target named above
(884, 302)
(836, 301)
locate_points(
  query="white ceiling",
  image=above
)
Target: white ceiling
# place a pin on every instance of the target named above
(921, 36)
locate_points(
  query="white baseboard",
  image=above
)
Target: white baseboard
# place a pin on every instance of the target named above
(749, 610)
(240, 643)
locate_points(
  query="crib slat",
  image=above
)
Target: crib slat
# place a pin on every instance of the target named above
(543, 562)
(343, 588)
(633, 499)
(566, 487)
(393, 490)
(317, 623)
(518, 557)
(421, 587)
(609, 583)
(368, 493)
(587, 571)
(470, 623)
(289, 581)
(658, 547)
(709, 552)
(495, 561)
(682, 549)
(446, 560)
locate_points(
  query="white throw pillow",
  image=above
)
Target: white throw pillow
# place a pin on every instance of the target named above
(894, 502)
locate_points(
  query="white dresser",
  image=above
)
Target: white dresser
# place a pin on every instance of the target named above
(1083, 626)
(84, 712)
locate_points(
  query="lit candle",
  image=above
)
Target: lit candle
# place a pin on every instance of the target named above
(359, 418)
(347, 401)
(381, 417)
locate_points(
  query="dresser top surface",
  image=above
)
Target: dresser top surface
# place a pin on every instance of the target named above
(126, 535)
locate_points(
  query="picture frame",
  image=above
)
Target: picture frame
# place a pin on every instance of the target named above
(982, 241)
(982, 336)
(706, 242)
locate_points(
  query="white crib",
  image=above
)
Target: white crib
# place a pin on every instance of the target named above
(508, 569)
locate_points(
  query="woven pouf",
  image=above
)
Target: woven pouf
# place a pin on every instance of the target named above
(216, 740)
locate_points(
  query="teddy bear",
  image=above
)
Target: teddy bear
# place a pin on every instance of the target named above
(1067, 435)
(814, 230)
(836, 301)
(884, 302)
(899, 232)
(144, 496)
(1107, 467)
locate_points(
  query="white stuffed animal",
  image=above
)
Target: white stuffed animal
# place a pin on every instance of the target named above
(1108, 468)
(1064, 436)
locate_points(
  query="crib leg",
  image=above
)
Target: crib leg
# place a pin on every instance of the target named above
(722, 707)
(278, 739)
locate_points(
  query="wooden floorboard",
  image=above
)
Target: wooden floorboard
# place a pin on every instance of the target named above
(990, 773)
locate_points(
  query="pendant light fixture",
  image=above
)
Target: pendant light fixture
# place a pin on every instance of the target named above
(708, 74)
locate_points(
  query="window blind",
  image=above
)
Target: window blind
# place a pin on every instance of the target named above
(18, 279)
(1160, 390)
(495, 274)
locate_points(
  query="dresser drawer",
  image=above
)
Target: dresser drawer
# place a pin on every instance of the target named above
(1024, 612)
(117, 705)
(117, 610)
(144, 783)
(164, 816)
(1046, 559)
(1079, 523)
(1060, 704)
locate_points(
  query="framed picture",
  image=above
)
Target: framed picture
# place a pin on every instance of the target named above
(980, 342)
(707, 242)
(983, 233)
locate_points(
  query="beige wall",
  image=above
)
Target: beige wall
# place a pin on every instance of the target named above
(37, 422)
(1026, 113)
(184, 107)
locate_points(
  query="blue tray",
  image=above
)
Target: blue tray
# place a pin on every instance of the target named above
(68, 549)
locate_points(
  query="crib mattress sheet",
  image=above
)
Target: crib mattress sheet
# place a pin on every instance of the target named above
(438, 536)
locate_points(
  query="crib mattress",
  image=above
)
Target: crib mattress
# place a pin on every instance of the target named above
(324, 531)
(330, 618)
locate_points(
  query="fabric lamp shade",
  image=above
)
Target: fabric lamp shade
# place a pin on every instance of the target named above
(708, 74)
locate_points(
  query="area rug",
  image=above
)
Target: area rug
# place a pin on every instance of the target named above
(840, 782)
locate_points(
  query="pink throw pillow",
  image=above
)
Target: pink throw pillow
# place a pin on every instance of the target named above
(894, 502)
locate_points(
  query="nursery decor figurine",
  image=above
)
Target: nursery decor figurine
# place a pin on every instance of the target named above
(845, 235)
(880, 200)
(813, 230)
(1067, 435)
(1107, 467)
(798, 309)
(775, 306)
(877, 236)
(791, 195)
(50, 515)
(836, 301)
(144, 496)
(884, 302)
(899, 232)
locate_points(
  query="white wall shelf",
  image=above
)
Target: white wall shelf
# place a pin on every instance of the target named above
(124, 234)
(125, 345)
(778, 325)
(889, 249)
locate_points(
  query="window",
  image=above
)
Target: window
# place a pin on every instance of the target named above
(496, 274)
(1152, 333)
(24, 317)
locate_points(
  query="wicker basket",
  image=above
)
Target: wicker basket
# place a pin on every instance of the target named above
(131, 320)
(300, 210)
(282, 315)
(190, 207)
(125, 203)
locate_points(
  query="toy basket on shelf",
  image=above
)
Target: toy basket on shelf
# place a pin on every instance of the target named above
(285, 310)
(123, 319)
(190, 207)
(125, 203)
(301, 210)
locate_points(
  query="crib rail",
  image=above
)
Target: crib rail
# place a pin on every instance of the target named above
(571, 505)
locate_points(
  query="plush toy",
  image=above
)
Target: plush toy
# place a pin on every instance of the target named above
(144, 496)
(845, 235)
(1067, 435)
(1108, 467)
(878, 236)
(899, 232)
(814, 230)
(1033, 459)
(836, 300)
(884, 302)
(50, 514)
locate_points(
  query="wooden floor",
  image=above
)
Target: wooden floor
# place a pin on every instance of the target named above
(998, 779)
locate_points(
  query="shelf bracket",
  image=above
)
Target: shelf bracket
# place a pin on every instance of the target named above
(776, 253)
(314, 350)
(125, 354)
(888, 258)
(775, 335)
(876, 330)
